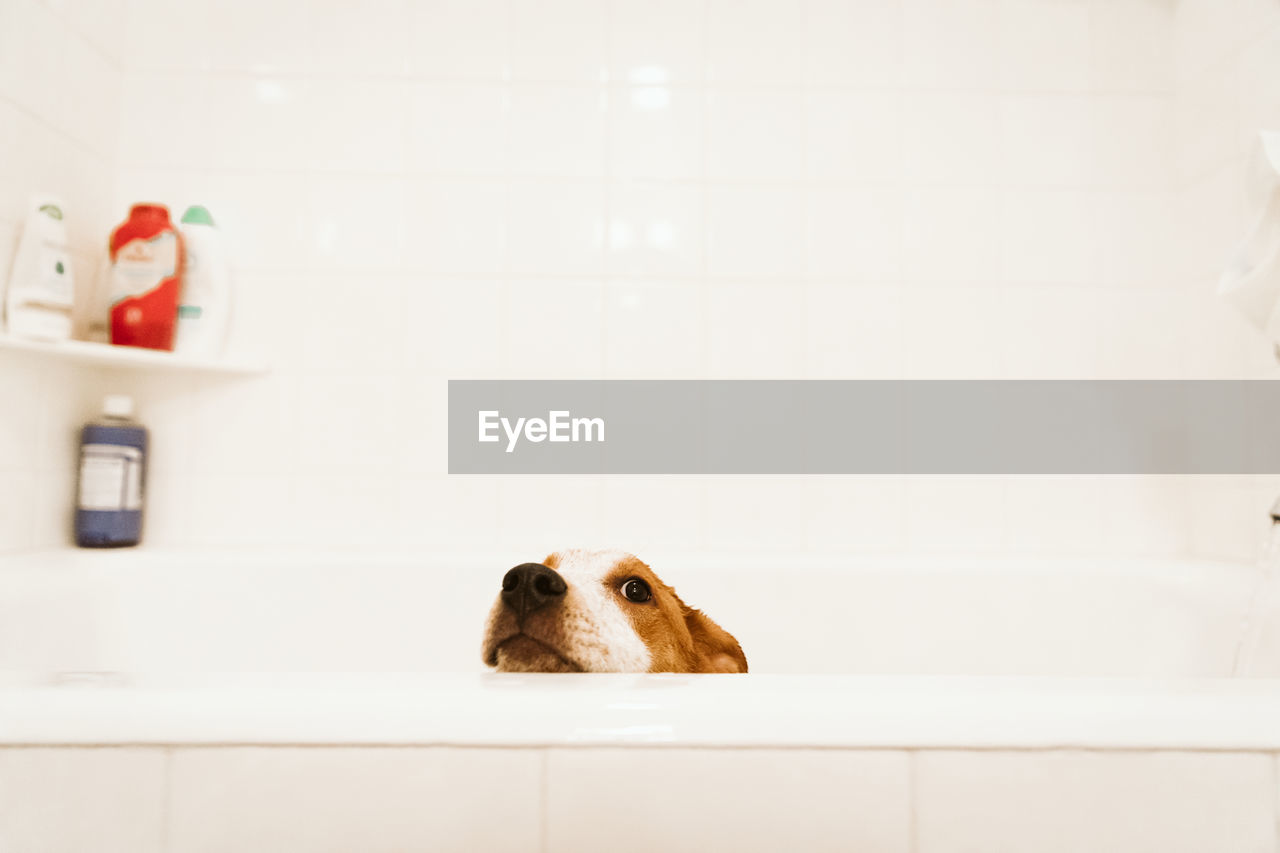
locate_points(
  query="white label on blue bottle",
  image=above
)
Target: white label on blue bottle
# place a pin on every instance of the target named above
(110, 477)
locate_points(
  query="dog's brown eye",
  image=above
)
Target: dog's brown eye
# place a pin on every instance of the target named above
(634, 589)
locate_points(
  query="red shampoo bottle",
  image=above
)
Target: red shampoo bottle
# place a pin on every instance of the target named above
(146, 275)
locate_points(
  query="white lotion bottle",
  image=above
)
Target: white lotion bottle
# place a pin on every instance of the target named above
(41, 287)
(204, 308)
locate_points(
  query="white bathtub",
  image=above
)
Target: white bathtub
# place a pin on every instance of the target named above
(159, 612)
(895, 704)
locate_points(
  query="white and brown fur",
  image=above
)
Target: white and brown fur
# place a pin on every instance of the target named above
(593, 627)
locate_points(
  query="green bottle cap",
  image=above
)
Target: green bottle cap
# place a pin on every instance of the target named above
(198, 215)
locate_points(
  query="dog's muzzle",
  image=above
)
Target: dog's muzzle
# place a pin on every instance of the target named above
(531, 586)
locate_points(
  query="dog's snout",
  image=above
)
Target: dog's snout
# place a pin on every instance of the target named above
(530, 586)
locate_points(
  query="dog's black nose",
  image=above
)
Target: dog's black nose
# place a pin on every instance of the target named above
(530, 586)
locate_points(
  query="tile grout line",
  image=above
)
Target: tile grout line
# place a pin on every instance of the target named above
(1275, 801)
(913, 817)
(166, 803)
(544, 801)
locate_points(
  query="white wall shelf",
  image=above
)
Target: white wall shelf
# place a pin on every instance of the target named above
(129, 358)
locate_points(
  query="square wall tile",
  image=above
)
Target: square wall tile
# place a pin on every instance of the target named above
(1050, 331)
(265, 220)
(756, 330)
(936, 248)
(66, 800)
(1161, 802)
(167, 36)
(1133, 141)
(755, 135)
(654, 330)
(854, 232)
(1132, 46)
(1133, 233)
(1045, 139)
(744, 800)
(757, 513)
(951, 332)
(1259, 69)
(360, 39)
(357, 222)
(340, 799)
(458, 129)
(755, 231)
(853, 44)
(335, 332)
(1142, 334)
(853, 136)
(245, 35)
(1206, 122)
(950, 138)
(754, 41)
(554, 329)
(343, 509)
(1144, 515)
(346, 422)
(538, 515)
(657, 41)
(423, 426)
(241, 508)
(643, 513)
(558, 130)
(164, 119)
(1054, 514)
(854, 332)
(456, 225)
(17, 509)
(460, 39)
(449, 511)
(556, 227)
(857, 513)
(1044, 46)
(655, 229)
(1049, 236)
(559, 40)
(956, 513)
(951, 43)
(454, 327)
(357, 126)
(24, 381)
(656, 131)
(248, 424)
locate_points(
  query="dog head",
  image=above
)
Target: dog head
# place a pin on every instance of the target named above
(600, 611)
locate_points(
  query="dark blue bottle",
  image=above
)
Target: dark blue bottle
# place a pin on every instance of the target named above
(113, 468)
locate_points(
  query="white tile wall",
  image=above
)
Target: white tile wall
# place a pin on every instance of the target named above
(59, 107)
(833, 188)
(1224, 65)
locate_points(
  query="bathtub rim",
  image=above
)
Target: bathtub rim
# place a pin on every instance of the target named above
(754, 711)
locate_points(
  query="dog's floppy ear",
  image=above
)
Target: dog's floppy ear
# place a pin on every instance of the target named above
(716, 649)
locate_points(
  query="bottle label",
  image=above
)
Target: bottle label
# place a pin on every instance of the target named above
(55, 277)
(142, 265)
(110, 477)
